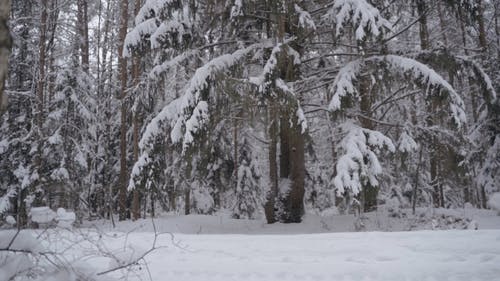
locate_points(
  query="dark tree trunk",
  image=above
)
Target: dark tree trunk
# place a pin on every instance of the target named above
(122, 61)
(82, 7)
(424, 32)
(270, 205)
(136, 202)
(369, 193)
(5, 45)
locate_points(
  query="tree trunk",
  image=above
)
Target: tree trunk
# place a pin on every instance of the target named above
(369, 192)
(480, 21)
(297, 173)
(442, 24)
(82, 7)
(415, 187)
(5, 45)
(41, 63)
(136, 202)
(424, 32)
(273, 166)
(122, 61)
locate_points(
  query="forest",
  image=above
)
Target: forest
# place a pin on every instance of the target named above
(128, 109)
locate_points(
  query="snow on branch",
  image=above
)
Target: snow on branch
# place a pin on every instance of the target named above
(136, 35)
(199, 82)
(173, 27)
(359, 164)
(151, 8)
(265, 79)
(165, 66)
(305, 19)
(343, 84)
(484, 79)
(364, 16)
(187, 114)
(428, 76)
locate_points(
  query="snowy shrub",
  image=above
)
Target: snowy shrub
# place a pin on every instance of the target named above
(494, 202)
(203, 203)
(42, 215)
(64, 218)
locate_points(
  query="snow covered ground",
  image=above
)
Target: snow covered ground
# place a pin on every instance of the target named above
(222, 223)
(204, 248)
(422, 255)
(218, 248)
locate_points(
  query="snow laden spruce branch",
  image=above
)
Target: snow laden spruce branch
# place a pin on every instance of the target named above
(186, 115)
(358, 164)
(344, 83)
(365, 17)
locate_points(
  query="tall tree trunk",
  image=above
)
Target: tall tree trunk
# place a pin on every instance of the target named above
(297, 173)
(424, 31)
(122, 62)
(82, 7)
(369, 193)
(497, 27)
(41, 63)
(5, 45)
(273, 165)
(136, 202)
(40, 94)
(442, 24)
(434, 157)
(480, 21)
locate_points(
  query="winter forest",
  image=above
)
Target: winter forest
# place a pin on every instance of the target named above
(287, 115)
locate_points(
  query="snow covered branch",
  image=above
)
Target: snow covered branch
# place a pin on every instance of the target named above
(359, 164)
(344, 83)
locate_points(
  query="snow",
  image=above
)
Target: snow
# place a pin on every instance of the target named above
(494, 201)
(4, 145)
(199, 247)
(42, 214)
(64, 218)
(407, 143)
(5, 200)
(170, 26)
(10, 220)
(364, 16)
(219, 248)
(343, 85)
(60, 174)
(358, 164)
(237, 9)
(135, 36)
(305, 19)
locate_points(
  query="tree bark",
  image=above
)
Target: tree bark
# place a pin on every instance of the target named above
(82, 7)
(122, 62)
(297, 173)
(136, 202)
(5, 46)
(41, 63)
(369, 193)
(424, 32)
(273, 166)
(480, 21)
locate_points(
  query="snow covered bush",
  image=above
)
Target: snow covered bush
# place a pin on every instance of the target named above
(494, 202)
(247, 195)
(62, 255)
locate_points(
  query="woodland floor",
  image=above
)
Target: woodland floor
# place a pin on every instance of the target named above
(219, 248)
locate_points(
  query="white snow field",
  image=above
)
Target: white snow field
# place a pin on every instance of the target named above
(218, 248)
(421, 256)
(204, 248)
